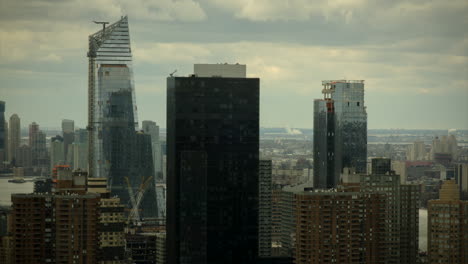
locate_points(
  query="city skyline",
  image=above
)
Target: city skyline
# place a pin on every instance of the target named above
(414, 67)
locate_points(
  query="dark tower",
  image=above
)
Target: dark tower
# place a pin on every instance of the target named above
(212, 165)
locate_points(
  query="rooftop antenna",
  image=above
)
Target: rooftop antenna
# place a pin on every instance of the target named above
(103, 23)
(172, 74)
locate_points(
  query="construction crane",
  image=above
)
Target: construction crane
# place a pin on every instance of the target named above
(103, 23)
(136, 198)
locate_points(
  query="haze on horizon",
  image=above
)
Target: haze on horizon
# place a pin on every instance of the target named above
(413, 55)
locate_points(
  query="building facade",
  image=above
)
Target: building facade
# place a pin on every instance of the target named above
(339, 227)
(3, 147)
(70, 225)
(110, 80)
(265, 209)
(447, 229)
(340, 131)
(212, 166)
(14, 135)
(116, 150)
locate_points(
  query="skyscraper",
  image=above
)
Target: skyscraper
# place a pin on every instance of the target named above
(110, 74)
(14, 136)
(340, 131)
(68, 132)
(3, 148)
(116, 151)
(37, 142)
(213, 164)
(57, 155)
(150, 128)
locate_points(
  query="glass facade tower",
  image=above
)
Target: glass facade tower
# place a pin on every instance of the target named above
(110, 71)
(340, 131)
(116, 150)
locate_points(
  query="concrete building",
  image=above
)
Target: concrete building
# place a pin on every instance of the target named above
(340, 131)
(416, 151)
(339, 227)
(212, 166)
(70, 225)
(448, 226)
(265, 210)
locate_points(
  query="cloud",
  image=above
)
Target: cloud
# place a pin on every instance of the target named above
(66, 10)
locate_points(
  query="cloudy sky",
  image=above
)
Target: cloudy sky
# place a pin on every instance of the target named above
(413, 55)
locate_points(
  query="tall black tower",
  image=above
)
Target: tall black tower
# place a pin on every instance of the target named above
(212, 166)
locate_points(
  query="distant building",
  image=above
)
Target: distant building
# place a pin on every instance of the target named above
(150, 128)
(416, 151)
(3, 147)
(461, 176)
(448, 226)
(340, 131)
(14, 136)
(57, 155)
(212, 165)
(24, 156)
(68, 133)
(80, 150)
(37, 142)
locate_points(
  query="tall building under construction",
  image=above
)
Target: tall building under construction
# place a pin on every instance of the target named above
(116, 151)
(340, 131)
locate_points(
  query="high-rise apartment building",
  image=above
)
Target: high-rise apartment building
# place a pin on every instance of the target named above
(447, 229)
(340, 131)
(265, 210)
(401, 209)
(416, 151)
(14, 135)
(339, 227)
(212, 166)
(70, 225)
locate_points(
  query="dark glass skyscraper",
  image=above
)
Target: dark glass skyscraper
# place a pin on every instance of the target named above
(340, 131)
(213, 164)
